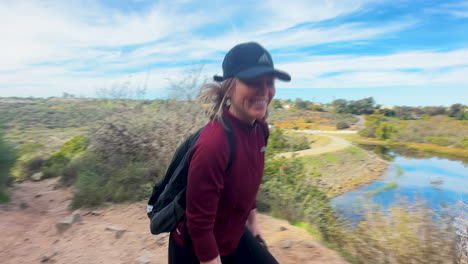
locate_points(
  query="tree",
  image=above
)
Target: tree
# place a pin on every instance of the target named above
(362, 106)
(340, 105)
(276, 104)
(301, 104)
(455, 110)
(186, 87)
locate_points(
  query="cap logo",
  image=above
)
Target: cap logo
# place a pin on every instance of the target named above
(264, 59)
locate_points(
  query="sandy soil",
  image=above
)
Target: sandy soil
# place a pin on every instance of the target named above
(29, 234)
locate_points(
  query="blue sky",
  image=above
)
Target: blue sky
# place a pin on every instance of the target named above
(401, 52)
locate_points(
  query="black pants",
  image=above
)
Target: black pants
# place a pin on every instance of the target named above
(249, 251)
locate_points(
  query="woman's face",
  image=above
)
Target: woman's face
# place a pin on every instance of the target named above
(250, 98)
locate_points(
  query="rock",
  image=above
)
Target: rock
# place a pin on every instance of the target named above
(283, 228)
(23, 205)
(119, 232)
(287, 243)
(161, 241)
(63, 226)
(76, 216)
(49, 256)
(310, 243)
(68, 222)
(145, 258)
(37, 176)
(93, 213)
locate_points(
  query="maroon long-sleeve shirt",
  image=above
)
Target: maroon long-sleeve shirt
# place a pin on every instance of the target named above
(219, 202)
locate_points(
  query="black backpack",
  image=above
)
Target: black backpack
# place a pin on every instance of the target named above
(167, 203)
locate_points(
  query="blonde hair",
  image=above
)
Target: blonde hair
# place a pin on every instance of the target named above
(217, 95)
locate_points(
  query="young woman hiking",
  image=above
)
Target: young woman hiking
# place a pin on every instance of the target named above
(220, 224)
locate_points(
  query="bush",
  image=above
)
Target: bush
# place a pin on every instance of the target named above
(130, 151)
(89, 190)
(342, 125)
(403, 235)
(7, 160)
(463, 143)
(27, 165)
(290, 195)
(385, 131)
(55, 165)
(279, 141)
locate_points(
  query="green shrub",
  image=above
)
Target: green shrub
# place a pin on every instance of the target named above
(129, 152)
(27, 165)
(81, 161)
(7, 160)
(56, 164)
(89, 189)
(342, 125)
(97, 183)
(385, 131)
(462, 143)
(279, 141)
(291, 196)
(440, 141)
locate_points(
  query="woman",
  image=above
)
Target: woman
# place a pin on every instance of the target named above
(220, 224)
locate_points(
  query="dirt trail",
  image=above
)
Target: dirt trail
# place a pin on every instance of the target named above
(335, 145)
(29, 235)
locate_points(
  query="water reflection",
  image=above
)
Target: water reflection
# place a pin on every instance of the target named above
(441, 182)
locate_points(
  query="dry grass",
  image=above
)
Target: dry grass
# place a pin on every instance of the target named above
(402, 235)
(461, 225)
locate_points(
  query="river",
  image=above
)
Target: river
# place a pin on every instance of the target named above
(438, 182)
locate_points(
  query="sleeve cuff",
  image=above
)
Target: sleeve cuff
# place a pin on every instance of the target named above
(205, 246)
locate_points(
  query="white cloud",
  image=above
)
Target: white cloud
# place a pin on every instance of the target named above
(50, 47)
(400, 69)
(458, 10)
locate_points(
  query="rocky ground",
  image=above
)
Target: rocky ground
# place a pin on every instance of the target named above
(38, 227)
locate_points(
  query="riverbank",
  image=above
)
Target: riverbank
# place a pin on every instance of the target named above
(335, 166)
(341, 171)
(424, 147)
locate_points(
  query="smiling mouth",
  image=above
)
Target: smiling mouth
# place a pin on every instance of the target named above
(258, 102)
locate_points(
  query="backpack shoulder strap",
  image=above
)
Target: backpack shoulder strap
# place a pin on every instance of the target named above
(230, 136)
(265, 131)
(179, 155)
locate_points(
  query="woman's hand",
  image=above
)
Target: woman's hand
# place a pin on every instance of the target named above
(252, 223)
(217, 260)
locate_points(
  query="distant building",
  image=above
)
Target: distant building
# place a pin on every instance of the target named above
(390, 107)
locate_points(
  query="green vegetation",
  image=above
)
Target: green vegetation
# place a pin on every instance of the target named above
(30, 159)
(342, 125)
(279, 141)
(405, 233)
(128, 153)
(288, 193)
(358, 107)
(387, 187)
(7, 160)
(440, 134)
(56, 164)
(116, 150)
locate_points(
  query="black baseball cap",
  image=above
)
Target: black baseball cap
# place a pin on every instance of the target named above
(247, 61)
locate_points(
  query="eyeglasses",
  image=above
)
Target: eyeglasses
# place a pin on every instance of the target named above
(258, 84)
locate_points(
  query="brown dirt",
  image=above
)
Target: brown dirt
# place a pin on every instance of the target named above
(27, 227)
